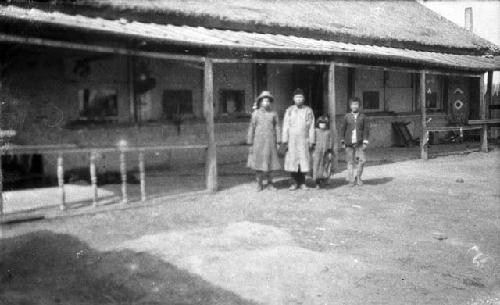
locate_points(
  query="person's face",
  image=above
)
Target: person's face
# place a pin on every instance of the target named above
(322, 125)
(265, 103)
(299, 99)
(354, 106)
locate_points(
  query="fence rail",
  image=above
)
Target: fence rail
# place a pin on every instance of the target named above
(61, 150)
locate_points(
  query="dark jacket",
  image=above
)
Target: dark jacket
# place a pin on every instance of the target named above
(349, 124)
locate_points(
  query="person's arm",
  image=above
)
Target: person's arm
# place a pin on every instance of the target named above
(277, 128)
(284, 131)
(251, 130)
(366, 131)
(343, 128)
(312, 133)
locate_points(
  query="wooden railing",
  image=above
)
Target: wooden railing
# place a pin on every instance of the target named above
(61, 150)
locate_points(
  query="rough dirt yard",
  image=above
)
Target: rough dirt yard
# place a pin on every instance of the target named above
(416, 233)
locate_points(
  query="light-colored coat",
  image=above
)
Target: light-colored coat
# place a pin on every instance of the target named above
(298, 132)
(263, 135)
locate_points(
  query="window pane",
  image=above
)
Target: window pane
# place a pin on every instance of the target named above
(371, 100)
(98, 104)
(177, 102)
(233, 101)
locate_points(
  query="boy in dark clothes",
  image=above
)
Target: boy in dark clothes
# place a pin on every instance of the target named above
(354, 137)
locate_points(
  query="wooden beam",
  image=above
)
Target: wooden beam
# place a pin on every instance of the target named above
(332, 112)
(133, 111)
(482, 115)
(425, 134)
(489, 91)
(93, 178)
(339, 64)
(142, 175)
(208, 111)
(60, 181)
(96, 48)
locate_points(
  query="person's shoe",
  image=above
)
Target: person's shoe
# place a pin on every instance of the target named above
(271, 187)
(293, 187)
(303, 187)
(359, 181)
(260, 187)
(352, 184)
(318, 186)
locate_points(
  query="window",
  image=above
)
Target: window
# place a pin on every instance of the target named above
(98, 104)
(371, 100)
(177, 103)
(232, 101)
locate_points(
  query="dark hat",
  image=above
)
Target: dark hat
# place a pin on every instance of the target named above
(298, 91)
(323, 119)
(264, 94)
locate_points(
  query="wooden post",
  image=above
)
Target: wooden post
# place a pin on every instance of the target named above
(333, 114)
(1, 176)
(93, 178)
(482, 114)
(123, 172)
(425, 134)
(60, 180)
(489, 90)
(208, 110)
(142, 175)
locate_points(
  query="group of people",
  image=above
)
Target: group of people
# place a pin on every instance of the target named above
(305, 143)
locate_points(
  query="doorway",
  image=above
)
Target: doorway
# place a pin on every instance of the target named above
(311, 79)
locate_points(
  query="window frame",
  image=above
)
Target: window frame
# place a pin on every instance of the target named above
(223, 103)
(177, 115)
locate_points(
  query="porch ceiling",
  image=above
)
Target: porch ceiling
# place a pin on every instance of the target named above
(244, 41)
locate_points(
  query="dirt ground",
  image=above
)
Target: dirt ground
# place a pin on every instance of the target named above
(416, 233)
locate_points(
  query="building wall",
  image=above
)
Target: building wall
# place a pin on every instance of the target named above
(43, 105)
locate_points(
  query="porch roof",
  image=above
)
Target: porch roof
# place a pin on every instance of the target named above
(202, 37)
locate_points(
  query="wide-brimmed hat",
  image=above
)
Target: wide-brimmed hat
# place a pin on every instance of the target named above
(264, 94)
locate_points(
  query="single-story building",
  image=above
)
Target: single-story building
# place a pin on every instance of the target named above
(99, 72)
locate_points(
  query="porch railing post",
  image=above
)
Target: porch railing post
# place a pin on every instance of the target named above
(93, 178)
(333, 114)
(483, 110)
(208, 110)
(123, 173)
(1, 178)
(60, 180)
(425, 133)
(142, 175)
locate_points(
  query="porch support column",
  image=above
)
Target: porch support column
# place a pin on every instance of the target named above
(208, 111)
(483, 109)
(332, 112)
(425, 134)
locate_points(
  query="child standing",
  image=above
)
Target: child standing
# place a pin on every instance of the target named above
(263, 136)
(322, 154)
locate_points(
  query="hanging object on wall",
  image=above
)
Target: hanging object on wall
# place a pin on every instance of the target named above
(144, 82)
(459, 110)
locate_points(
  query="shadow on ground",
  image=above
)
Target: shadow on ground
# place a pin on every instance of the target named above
(48, 268)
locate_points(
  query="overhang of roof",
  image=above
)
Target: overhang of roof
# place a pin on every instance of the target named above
(216, 39)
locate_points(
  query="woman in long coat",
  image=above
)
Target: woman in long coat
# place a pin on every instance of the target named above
(298, 134)
(263, 136)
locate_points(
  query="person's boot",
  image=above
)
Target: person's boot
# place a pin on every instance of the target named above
(270, 185)
(350, 174)
(359, 172)
(260, 185)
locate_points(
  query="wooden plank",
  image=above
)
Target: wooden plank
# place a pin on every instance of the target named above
(425, 134)
(93, 178)
(489, 93)
(482, 115)
(208, 111)
(142, 175)
(96, 48)
(482, 122)
(133, 111)
(123, 174)
(332, 112)
(60, 181)
(340, 64)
